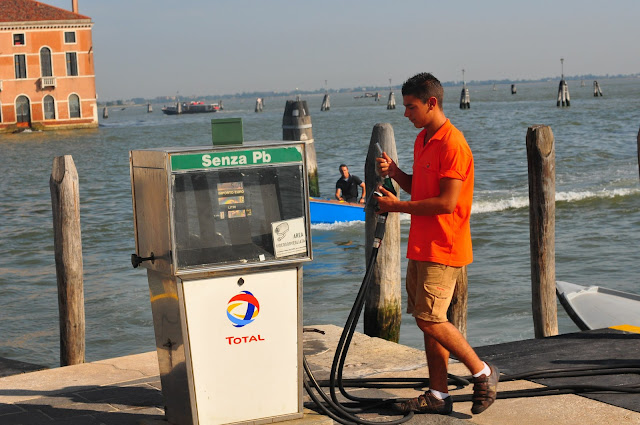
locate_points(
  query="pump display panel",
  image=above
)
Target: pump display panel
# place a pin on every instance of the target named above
(227, 215)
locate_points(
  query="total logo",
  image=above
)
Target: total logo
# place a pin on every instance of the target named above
(243, 309)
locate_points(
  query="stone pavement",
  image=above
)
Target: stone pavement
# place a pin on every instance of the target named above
(126, 390)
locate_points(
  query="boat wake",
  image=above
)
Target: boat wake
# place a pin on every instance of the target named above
(336, 225)
(481, 206)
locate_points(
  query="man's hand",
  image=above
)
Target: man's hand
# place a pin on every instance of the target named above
(388, 202)
(386, 166)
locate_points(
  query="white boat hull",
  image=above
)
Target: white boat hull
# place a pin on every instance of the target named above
(595, 307)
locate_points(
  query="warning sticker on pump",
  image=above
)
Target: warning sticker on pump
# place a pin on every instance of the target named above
(289, 237)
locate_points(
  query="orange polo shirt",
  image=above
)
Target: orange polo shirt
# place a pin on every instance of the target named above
(443, 238)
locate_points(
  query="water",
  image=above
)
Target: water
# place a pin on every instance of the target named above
(597, 210)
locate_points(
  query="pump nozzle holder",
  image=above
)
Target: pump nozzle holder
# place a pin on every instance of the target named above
(371, 205)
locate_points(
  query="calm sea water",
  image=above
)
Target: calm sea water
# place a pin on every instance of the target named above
(597, 210)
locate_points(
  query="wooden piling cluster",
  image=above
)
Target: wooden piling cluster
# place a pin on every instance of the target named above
(563, 90)
(259, 105)
(563, 94)
(596, 89)
(149, 108)
(326, 104)
(465, 102)
(383, 307)
(513, 89)
(391, 102)
(65, 205)
(105, 112)
(542, 207)
(296, 125)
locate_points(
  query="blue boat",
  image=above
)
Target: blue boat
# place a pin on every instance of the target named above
(329, 211)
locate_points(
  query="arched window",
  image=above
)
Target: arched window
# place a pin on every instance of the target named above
(49, 108)
(45, 62)
(23, 110)
(74, 106)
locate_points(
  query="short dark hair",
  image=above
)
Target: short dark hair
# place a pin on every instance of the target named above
(423, 86)
(342, 165)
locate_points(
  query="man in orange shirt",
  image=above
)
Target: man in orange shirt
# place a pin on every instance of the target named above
(441, 189)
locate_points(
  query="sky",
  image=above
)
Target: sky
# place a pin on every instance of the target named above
(149, 48)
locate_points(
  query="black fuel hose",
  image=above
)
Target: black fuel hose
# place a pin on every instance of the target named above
(341, 413)
(332, 406)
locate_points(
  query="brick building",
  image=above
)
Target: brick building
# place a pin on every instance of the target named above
(47, 76)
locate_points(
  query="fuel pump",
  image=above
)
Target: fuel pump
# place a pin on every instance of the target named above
(223, 232)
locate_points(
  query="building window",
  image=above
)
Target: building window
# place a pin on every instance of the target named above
(21, 66)
(72, 63)
(18, 39)
(74, 106)
(23, 110)
(45, 62)
(49, 108)
(69, 37)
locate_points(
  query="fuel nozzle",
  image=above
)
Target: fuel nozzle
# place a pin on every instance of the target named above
(387, 184)
(386, 181)
(372, 200)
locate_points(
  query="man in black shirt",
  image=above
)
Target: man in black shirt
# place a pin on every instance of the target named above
(347, 187)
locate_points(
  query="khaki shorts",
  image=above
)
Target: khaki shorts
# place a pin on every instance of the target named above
(430, 289)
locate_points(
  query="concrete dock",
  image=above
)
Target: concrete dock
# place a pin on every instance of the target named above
(126, 390)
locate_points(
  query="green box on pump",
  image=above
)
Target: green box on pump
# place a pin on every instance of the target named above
(226, 131)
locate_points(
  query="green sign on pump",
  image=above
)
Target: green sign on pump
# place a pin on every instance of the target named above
(236, 158)
(226, 131)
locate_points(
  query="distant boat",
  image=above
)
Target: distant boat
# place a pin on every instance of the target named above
(330, 211)
(191, 108)
(595, 307)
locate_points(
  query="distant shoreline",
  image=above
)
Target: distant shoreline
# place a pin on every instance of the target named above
(266, 94)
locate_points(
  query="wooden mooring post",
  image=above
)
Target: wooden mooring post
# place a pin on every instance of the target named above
(65, 204)
(596, 89)
(296, 125)
(383, 308)
(513, 89)
(259, 105)
(542, 207)
(457, 312)
(105, 112)
(149, 108)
